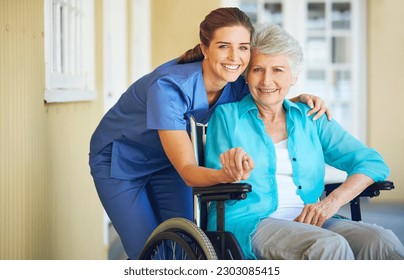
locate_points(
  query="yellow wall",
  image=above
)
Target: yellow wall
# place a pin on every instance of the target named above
(175, 26)
(386, 88)
(76, 215)
(48, 206)
(24, 165)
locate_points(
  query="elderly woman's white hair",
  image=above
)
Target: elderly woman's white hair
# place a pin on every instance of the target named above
(271, 39)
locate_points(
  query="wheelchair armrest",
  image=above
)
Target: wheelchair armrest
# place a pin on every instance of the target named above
(371, 191)
(221, 192)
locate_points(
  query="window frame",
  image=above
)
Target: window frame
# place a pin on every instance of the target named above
(69, 50)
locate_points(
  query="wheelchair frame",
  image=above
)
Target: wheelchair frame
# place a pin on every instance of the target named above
(179, 238)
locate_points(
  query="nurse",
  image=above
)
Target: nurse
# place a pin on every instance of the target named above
(141, 157)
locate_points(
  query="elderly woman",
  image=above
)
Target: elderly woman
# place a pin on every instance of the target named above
(283, 153)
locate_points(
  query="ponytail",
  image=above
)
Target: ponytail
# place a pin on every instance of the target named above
(191, 55)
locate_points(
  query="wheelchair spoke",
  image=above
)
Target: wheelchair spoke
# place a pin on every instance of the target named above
(178, 239)
(174, 247)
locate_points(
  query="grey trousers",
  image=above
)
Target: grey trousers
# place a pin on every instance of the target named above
(338, 240)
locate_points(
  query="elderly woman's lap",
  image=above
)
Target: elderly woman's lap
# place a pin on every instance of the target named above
(368, 241)
(338, 240)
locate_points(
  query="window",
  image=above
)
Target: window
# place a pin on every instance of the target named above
(263, 11)
(69, 50)
(330, 51)
(332, 34)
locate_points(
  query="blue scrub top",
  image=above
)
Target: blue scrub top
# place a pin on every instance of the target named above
(162, 99)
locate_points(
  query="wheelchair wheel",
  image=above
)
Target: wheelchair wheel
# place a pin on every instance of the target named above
(178, 239)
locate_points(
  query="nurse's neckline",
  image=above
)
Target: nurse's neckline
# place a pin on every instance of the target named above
(213, 97)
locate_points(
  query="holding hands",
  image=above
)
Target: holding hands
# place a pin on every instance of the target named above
(237, 164)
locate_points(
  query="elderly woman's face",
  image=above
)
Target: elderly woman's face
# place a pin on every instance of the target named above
(269, 78)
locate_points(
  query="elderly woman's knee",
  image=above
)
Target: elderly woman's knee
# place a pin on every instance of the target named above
(330, 246)
(378, 243)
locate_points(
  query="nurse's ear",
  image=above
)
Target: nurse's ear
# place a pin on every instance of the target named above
(204, 50)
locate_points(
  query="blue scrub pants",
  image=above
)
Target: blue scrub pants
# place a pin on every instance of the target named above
(137, 207)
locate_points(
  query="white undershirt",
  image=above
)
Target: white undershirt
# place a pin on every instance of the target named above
(290, 204)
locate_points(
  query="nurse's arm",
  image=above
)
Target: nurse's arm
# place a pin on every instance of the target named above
(179, 150)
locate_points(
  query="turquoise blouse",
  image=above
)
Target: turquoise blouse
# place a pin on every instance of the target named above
(311, 144)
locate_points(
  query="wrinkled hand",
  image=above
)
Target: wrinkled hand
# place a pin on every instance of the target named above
(317, 106)
(237, 164)
(317, 213)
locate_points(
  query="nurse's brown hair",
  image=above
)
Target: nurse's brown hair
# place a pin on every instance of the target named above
(222, 17)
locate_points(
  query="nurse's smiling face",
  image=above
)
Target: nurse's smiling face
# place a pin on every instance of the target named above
(227, 56)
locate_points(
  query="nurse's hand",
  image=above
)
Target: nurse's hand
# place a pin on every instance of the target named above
(316, 104)
(237, 164)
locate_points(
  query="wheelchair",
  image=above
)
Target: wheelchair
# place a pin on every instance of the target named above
(181, 239)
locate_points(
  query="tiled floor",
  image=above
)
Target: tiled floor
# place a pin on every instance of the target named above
(390, 216)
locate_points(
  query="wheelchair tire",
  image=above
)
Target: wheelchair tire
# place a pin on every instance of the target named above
(181, 236)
